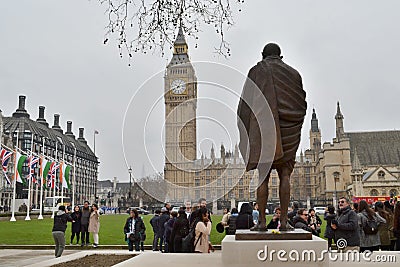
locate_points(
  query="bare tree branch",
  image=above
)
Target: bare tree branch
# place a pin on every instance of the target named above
(151, 25)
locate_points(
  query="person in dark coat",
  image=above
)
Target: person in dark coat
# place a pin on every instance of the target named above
(76, 224)
(155, 225)
(85, 224)
(275, 222)
(245, 218)
(179, 230)
(300, 221)
(59, 227)
(167, 232)
(231, 229)
(346, 226)
(134, 230)
(270, 113)
(328, 217)
(163, 219)
(313, 219)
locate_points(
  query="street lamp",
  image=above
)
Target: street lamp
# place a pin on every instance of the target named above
(335, 177)
(130, 183)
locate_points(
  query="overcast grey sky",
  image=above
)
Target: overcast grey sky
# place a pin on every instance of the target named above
(53, 52)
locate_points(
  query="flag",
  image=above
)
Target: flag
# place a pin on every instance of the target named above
(20, 160)
(5, 156)
(44, 172)
(33, 161)
(53, 173)
(96, 132)
(64, 175)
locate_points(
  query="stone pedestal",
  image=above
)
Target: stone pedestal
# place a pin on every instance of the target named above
(277, 251)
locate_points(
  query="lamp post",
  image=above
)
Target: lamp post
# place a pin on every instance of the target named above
(335, 177)
(130, 184)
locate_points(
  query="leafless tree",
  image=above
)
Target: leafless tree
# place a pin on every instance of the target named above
(151, 25)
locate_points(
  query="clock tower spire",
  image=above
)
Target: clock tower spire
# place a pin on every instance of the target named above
(180, 95)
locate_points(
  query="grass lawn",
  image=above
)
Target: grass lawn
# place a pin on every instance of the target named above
(38, 232)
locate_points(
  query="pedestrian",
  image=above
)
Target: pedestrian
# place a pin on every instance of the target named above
(369, 240)
(163, 219)
(188, 206)
(59, 227)
(256, 213)
(134, 230)
(388, 208)
(245, 218)
(275, 222)
(202, 231)
(179, 230)
(396, 224)
(94, 224)
(85, 224)
(346, 227)
(314, 219)
(293, 213)
(300, 221)
(328, 217)
(231, 230)
(384, 229)
(167, 232)
(225, 218)
(76, 224)
(155, 225)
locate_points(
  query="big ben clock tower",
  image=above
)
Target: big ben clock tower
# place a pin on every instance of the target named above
(180, 95)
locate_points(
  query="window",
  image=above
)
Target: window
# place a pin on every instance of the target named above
(219, 182)
(274, 181)
(241, 194)
(197, 182)
(274, 192)
(393, 192)
(374, 192)
(381, 174)
(229, 181)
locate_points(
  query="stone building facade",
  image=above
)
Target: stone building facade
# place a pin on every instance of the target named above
(20, 123)
(353, 164)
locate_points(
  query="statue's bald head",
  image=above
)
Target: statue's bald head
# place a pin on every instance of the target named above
(271, 49)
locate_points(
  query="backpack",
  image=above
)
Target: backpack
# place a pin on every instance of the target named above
(188, 242)
(370, 227)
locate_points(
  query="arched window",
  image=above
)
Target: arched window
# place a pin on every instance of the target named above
(393, 192)
(381, 174)
(374, 192)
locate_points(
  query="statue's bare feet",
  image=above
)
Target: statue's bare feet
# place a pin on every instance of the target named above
(259, 227)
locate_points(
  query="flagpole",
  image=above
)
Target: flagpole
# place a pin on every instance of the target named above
(62, 174)
(27, 218)
(53, 180)
(41, 182)
(15, 183)
(73, 182)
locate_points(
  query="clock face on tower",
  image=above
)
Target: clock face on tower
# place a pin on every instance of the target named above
(178, 86)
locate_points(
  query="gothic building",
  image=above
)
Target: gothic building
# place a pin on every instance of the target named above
(353, 164)
(55, 139)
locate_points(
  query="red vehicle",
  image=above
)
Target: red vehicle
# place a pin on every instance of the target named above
(371, 199)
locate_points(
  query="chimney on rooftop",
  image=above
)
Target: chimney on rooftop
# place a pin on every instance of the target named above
(21, 111)
(81, 138)
(56, 125)
(69, 129)
(41, 118)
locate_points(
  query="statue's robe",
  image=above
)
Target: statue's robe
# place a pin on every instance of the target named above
(272, 87)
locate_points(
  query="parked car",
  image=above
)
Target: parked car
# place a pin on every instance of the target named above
(140, 210)
(319, 210)
(175, 209)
